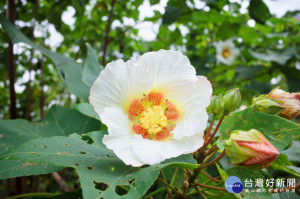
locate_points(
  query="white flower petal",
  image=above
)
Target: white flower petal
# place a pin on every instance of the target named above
(116, 121)
(170, 71)
(122, 147)
(195, 116)
(119, 138)
(153, 152)
(117, 84)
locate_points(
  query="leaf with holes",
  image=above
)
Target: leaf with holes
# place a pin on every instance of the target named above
(67, 67)
(101, 173)
(279, 131)
(59, 121)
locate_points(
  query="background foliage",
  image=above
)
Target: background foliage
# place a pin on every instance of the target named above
(62, 75)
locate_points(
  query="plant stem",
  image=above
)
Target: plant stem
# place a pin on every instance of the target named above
(174, 176)
(210, 187)
(284, 189)
(165, 183)
(154, 192)
(199, 192)
(214, 179)
(165, 180)
(213, 161)
(209, 156)
(212, 149)
(215, 131)
(31, 194)
(210, 127)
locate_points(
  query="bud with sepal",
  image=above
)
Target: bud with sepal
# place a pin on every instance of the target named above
(216, 106)
(250, 148)
(231, 99)
(290, 102)
(266, 105)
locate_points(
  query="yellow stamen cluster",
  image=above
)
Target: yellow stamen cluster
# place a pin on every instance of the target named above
(226, 53)
(153, 119)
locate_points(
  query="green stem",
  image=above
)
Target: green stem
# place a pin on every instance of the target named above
(154, 192)
(213, 194)
(174, 176)
(210, 187)
(215, 131)
(209, 156)
(214, 179)
(213, 161)
(212, 149)
(165, 182)
(199, 192)
(31, 194)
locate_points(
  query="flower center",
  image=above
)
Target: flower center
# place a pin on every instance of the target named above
(153, 119)
(153, 116)
(226, 53)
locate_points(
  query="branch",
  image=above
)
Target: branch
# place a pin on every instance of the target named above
(210, 187)
(199, 192)
(107, 30)
(61, 182)
(165, 183)
(213, 161)
(215, 131)
(210, 127)
(212, 178)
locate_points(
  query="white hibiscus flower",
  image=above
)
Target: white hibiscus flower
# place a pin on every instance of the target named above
(226, 52)
(154, 109)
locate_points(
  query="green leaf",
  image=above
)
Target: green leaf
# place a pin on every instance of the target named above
(59, 121)
(67, 67)
(259, 11)
(279, 131)
(282, 163)
(99, 170)
(17, 168)
(92, 68)
(246, 174)
(278, 57)
(87, 109)
(293, 152)
(222, 173)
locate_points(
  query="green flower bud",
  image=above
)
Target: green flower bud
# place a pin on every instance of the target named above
(266, 105)
(231, 100)
(250, 148)
(215, 106)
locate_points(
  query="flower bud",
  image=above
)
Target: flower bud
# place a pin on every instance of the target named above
(290, 101)
(250, 148)
(215, 106)
(266, 105)
(231, 99)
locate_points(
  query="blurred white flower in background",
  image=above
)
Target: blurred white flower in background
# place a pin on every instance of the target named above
(154, 109)
(226, 52)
